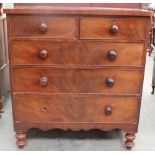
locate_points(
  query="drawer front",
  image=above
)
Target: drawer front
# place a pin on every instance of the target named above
(112, 28)
(76, 80)
(77, 53)
(74, 108)
(43, 27)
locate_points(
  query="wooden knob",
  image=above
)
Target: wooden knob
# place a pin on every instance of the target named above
(43, 27)
(108, 110)
(43, 81)
(109, 82)
(112, 55)
(43, 54)
(114, 29)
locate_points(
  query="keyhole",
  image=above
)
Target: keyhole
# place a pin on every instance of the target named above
(45, 109)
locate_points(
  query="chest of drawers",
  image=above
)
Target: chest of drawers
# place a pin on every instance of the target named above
(77, 68)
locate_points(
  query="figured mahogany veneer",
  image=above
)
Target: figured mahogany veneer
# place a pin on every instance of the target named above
(75, 108)
(77, 68)
(76, 80)
(112, 28)
(77, 53)
(44, 27)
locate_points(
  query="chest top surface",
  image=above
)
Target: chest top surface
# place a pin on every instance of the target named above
(77, 10)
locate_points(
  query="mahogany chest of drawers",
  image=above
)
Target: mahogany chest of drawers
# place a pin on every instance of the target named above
(77, 68)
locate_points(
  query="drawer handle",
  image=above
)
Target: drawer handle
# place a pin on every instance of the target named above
(43, 27)
(109, 82)
(112, 55)
(114, 29)
(43, 54)
(43, 81)
(108, 110)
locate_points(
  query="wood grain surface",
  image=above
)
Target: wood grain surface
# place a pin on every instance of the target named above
(88, 53)
(57, 27)
(76, 80)
(76, 108)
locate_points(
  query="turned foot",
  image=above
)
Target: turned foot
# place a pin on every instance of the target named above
(153, 87)
(21, 139)
(129, 143)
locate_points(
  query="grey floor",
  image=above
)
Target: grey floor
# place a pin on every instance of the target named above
(91, 140)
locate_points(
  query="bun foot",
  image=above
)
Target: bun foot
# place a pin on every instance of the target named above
(21, 139)
(129, 143)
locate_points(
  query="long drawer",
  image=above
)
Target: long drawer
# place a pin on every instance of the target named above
(74, 108)
(112, 28)
(44, 27)
(77, 53)
(65, 80)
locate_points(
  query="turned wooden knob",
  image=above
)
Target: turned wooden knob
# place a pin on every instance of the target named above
(114, 29)
(108, 110)
(43, 54)
(43, 81)
(109, 82)
(112, 55)
(43, 27)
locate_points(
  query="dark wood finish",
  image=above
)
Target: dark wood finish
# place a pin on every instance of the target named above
(83, 74)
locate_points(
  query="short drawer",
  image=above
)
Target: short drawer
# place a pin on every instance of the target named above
(112, 28)
(77, 53)
(43, 27)
(65, 80)
(75, 108)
